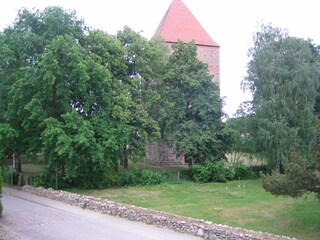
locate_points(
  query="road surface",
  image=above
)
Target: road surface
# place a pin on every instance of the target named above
(29, 217)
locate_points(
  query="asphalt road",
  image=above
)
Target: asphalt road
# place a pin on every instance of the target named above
(29, 217)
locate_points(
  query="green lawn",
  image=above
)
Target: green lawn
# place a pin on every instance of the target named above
(239, 203)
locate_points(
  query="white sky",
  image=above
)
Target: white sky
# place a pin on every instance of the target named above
(231, 23)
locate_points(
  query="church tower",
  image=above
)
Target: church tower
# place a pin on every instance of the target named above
(180, 24)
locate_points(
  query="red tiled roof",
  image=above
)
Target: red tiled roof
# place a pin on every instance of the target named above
(179, 24)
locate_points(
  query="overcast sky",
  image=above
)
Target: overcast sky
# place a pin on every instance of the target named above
(231, 23)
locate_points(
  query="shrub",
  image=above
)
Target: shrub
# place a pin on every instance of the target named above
(38, 181)
(136, 176)
(186, 174)
(224, 171)
(220, 171)
(149, 177)
(261, 169)
(131, 177)
(202, 173)
(243, 172)
(7, 174)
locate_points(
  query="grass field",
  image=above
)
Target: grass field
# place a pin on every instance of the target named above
(239, 203)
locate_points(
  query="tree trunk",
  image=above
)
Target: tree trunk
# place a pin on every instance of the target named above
(190, 162)
(17, 162)
(125, 157)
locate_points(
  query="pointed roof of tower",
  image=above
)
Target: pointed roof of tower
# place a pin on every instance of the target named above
(179, 24)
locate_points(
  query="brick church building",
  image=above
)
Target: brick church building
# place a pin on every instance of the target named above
(179, 24)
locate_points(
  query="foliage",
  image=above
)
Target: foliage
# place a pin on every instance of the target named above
(74, 96)
(258, 169)
(150, 177)
(86, 101)
(143, 177)
(8, 176)
(219, 171)
(283, 76)
(22, 48)
(189, 111)
(241, 137)
(144, 62)
(186, 174)
(300, 177)
(242, 172)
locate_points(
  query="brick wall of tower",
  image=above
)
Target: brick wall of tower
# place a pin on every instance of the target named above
(161, 154)
(211, 56)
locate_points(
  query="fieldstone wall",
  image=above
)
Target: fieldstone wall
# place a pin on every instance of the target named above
(207, 230)
(160, 154)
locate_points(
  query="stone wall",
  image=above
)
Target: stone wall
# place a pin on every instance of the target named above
(160, 154)
(207, 230)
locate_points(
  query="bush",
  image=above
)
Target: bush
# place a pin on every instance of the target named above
(202, 173)
(223, 172)
(220, 171)
(186, 174)
(38, 181)
(136, 176)
(261, 169)
(131, 177)
(149, 177)
(6, 176)
(243, 172)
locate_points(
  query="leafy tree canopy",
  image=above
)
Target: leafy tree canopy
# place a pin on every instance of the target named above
(86, 100)
(283, 76)
(190, 112)
(59, 92)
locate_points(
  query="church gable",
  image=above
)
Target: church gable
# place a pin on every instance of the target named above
(179, 24)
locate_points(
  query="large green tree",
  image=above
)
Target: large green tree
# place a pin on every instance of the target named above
(144, 61)
(189, 111)
(63, 98)
(283, 76)
(22, 45)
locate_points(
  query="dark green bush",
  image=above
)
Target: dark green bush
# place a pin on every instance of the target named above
(243, 172)
(38, 181)
(223, 172)
(136, 176)
(131, 177)
(202, 173)
(107, 177)
(186, 174)
(261, 169)
(219, 171)
(149, 177)
(7, 176)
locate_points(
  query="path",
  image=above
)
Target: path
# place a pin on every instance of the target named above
(29, 217)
